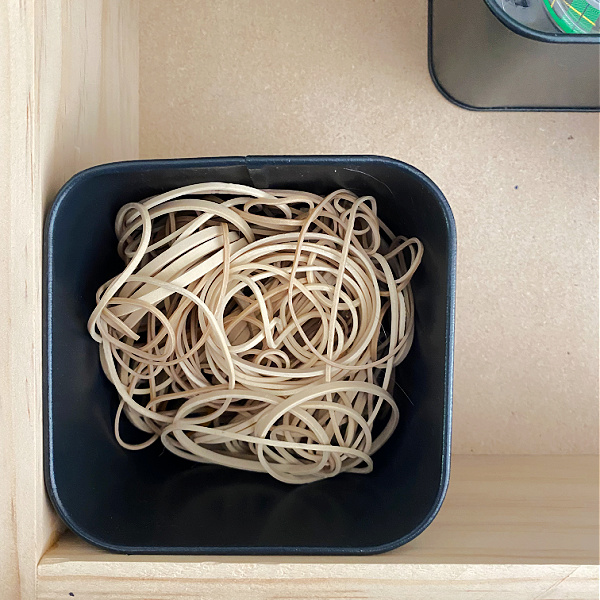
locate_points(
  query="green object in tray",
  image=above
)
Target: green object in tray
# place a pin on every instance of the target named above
(575, 16)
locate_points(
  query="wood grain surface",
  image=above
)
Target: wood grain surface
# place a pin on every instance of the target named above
(518, 528)
(68, 100)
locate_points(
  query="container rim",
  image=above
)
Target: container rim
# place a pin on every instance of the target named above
(540, 36)
(251, 162)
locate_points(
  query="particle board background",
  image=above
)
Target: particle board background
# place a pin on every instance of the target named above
(310, 76)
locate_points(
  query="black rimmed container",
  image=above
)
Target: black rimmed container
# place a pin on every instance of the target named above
(481, 58)
(150, 501)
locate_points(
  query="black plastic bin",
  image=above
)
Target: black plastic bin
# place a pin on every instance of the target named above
(481, 58)
(150, 501)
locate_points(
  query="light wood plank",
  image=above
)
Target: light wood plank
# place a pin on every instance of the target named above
(68, 100)
(512, 527)
(17, 544)
(446, 582)
(581, 584)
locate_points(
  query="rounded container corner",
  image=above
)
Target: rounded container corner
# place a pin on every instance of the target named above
(425, 523)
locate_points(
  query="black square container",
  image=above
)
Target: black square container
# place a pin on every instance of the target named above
(150, 501)
(481, 58)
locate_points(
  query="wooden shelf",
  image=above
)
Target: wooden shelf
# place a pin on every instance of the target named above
(511, 527)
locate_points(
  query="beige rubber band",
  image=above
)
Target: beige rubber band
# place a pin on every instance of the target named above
(258, 329)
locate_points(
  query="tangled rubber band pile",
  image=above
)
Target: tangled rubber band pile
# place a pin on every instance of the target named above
(258, 329)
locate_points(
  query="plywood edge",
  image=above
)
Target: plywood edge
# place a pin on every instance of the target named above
(68, 99)
(259, 582)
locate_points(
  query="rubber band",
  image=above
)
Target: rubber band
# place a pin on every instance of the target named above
(258, 329)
